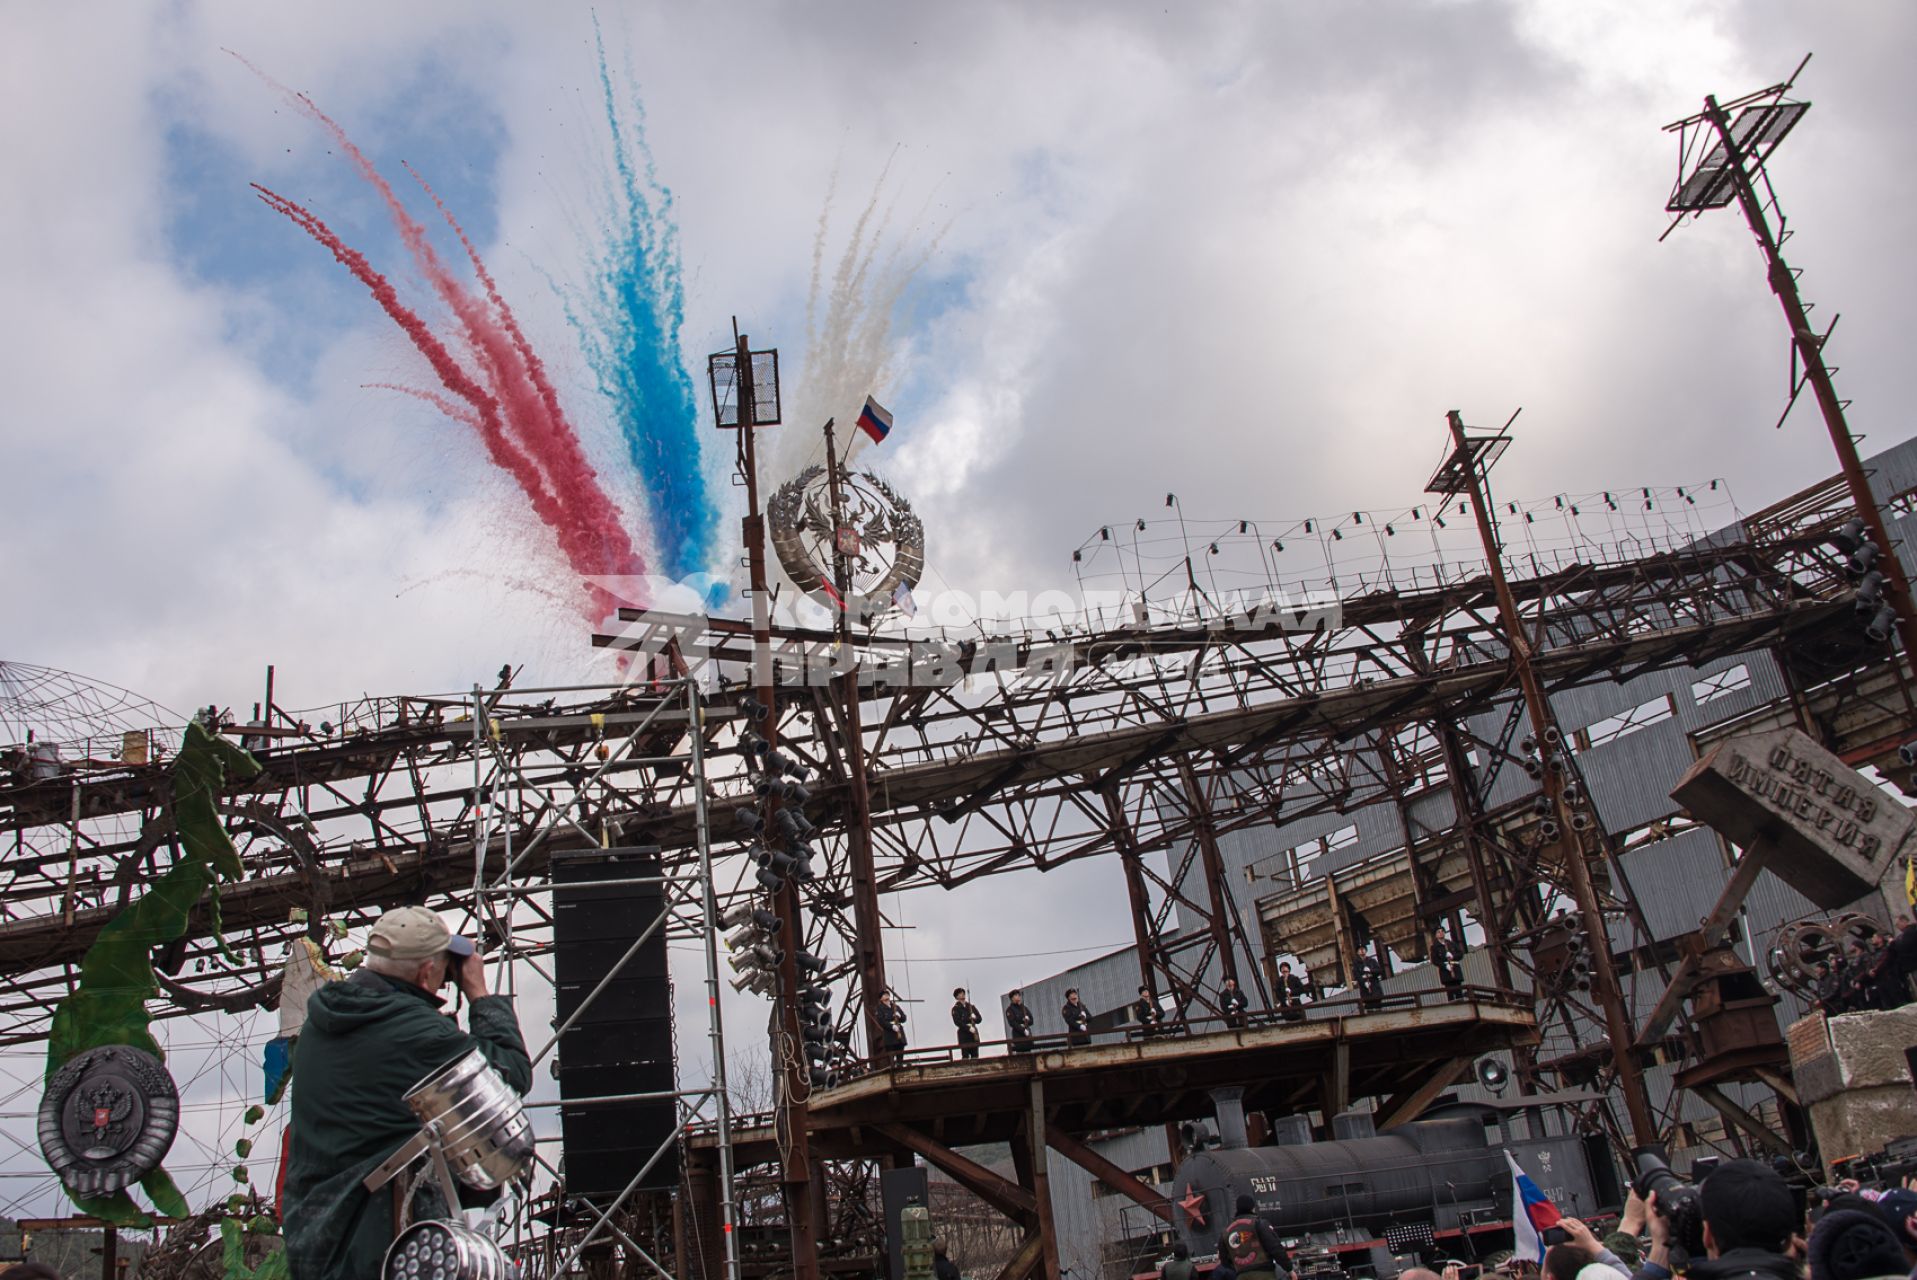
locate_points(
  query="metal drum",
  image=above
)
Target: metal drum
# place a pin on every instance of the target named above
(445, 1251)
(480, 1122)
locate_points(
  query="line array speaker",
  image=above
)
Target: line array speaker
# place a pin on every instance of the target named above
(622, 1041)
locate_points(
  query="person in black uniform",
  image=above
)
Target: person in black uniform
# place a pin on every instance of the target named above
(1145, 1009)
(1448, 956)
(1826, 989)
(1857, 977)
(1018, 1022)
(1232, 1003)
(966, 1017)
(891, 1028)
(1078, 1020)
(1292, 992)
(1370, 981)
(1903, 955)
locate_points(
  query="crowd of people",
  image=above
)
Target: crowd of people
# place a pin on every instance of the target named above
(1755, 1226)
(1867, 975)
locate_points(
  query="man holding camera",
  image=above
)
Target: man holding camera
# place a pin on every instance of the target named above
(1749, 1216)
(366, 1042)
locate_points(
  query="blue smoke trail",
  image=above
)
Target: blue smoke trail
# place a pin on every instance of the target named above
(629, 332)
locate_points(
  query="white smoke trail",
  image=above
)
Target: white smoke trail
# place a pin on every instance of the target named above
(849, 342)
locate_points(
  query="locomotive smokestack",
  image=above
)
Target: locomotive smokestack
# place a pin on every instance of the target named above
(1229, 1107)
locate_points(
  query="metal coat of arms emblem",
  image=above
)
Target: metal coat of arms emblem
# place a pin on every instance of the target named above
(108, 1118)
(876, 530)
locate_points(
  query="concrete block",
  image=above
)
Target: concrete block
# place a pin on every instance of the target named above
(1860, 1121)
(1869, 1047)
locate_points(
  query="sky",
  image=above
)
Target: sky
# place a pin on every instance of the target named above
(1247, 253)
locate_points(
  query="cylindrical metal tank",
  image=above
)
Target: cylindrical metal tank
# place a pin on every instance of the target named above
(1411, 1173)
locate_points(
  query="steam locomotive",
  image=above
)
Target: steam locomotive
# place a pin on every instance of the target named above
(1364, 1201)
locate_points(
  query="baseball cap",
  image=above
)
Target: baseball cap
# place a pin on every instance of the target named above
(414, 933)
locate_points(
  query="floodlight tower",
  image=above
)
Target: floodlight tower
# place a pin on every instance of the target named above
(1746, 131)
(1466, 471)
(745, 398)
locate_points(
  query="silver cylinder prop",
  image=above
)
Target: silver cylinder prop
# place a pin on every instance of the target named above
(479, 1122)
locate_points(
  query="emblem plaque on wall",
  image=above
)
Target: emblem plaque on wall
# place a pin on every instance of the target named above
(881, 538)
(107, 1119)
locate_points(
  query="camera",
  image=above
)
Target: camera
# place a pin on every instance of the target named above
(1677, 1203)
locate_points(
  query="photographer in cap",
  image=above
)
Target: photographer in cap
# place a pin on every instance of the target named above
(1749, 1218)
(367, 1041)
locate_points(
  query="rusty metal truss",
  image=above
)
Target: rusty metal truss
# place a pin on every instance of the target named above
(1027, 751)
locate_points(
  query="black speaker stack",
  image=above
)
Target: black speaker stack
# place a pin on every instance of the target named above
(622, 1043)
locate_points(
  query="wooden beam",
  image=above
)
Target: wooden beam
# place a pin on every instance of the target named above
(1736, 1115)
(1781, 1084)
(1107, 1172)
(1025, 1259)
(1410, 1104)
(1008, 1198)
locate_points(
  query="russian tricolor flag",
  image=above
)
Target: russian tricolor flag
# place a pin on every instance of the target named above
(1531, 1214)
(875, 421)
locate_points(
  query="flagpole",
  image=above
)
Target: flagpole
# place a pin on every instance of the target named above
(867, 922)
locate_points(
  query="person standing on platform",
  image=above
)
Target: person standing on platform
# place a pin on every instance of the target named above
(1150, 1019)
(1370, 979)
(1448, 956)
(1292, 991)
(891, 1028)
(966, 1017)
(1078, 1020)
(1018, 1022)
(1180, 1267)
(1232, 1003)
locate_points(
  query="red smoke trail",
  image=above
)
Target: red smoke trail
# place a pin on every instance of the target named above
(565, 442)
(517, 411)
(457, 412)
(590, 550)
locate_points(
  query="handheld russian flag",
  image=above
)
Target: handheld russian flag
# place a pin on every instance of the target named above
(1531, 1214)
(875, 421)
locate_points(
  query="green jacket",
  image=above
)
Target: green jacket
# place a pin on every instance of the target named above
(367, 1041)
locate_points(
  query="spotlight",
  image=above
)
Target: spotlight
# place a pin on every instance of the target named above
(435, 1250)
(1493, 1075)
